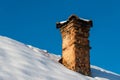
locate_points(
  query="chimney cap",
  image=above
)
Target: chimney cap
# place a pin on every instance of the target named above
(73, 17)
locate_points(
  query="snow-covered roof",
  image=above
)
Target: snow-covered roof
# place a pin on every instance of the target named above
(22, 62)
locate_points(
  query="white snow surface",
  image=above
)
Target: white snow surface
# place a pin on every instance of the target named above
(24, 62)
(62, 22)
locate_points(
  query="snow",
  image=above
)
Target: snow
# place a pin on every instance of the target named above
(62, 22)
(25, 62)
(84, 19)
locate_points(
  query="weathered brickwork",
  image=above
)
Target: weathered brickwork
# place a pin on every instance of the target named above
(75, 44)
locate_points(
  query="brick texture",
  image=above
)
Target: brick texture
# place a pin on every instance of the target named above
(75, 44)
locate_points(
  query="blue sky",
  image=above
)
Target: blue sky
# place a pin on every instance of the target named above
(34, 22)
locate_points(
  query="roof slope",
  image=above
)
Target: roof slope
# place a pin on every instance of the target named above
(21, 62)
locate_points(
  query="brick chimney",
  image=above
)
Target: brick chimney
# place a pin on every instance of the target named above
(75, 44)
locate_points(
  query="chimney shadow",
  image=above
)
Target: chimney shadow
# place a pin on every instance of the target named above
(97, 72)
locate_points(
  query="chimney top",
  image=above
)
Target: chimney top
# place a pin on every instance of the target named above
(74, 17)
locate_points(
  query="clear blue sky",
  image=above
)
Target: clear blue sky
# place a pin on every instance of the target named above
(34, 22)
